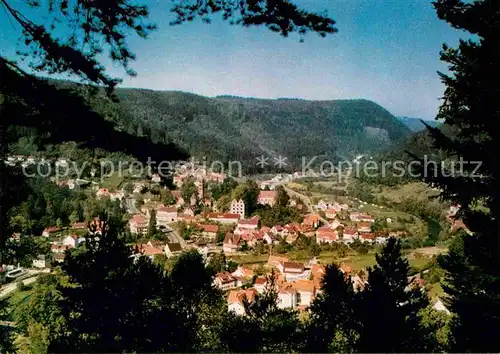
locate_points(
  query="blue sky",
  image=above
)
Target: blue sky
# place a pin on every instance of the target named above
(386, 51)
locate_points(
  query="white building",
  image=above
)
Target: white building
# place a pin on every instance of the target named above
(166, 215)
(287, 298)
(73, 240)
(225, 281)
(236, 298)
(238, 207)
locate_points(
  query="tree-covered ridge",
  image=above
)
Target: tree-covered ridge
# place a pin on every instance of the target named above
(232, 128)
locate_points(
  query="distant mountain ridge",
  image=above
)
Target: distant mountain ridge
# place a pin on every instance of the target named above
(416, 125)
(229, 128)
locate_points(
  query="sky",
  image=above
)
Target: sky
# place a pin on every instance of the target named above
(385, 51)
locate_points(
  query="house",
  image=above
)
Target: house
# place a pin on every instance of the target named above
(50, 230)
(178, 198)
(321, 205)
(243, 272)
(357, 217)
(224, 218)
(102, 192)
(330, 214)
(260, 284)
(209, 232)
(287, 297)
(271, 238)
(275, 261)
(250, 237)
(117, 195)
(311, 220)
(305, 291)
(367, 237)
(317, 273)
(439, 306)
(267, 198)
(364, 227)
(335, 224)
(155, 178)
(148, 250)
(188, 212)
(237, 207)
(138, 186)
(57, 248)
(138, 224)
(79, 226)
(73, 240)
(166, 215)
(231, 243)
(59, 257)
(172, 249)
(358, 284)
(291, 267)
(156, 243)
(224, 281)
(326, 234)
(236, 297)
(349, 234)
(39, 262)
(250, 224)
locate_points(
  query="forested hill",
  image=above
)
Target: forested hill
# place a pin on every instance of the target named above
(234, 128)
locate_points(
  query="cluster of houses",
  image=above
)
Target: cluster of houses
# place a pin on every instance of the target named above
(296, 284)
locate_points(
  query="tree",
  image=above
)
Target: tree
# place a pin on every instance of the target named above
(332, 322)
(152, 223)
(168, 197)
(248, 192)
(29, 101)
(73, 217)
(389, 308)
(218, 262)
(109, 287)
(471, 108)
(271, 329)
(128, 188)
(59, 222)
(282, 197)
(188, 189)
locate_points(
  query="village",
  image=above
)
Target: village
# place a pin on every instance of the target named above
(199, 221)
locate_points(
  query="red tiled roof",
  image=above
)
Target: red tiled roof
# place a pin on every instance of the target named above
(209, 228)
(304, 285)
(138, 219)
(260, 281)
(248, 221)
(225, 277)
(350, 231)
(367, 236)
(52, 229)
(223, 216)
(165, 209)
(267, 194)
(232, 239)
(292, 265)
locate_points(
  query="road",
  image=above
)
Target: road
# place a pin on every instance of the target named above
(131, 208)
(9, 288)
(172, 234)
(306, 200)
(174, 237)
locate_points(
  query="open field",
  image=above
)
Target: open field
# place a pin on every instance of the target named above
(355, 261)
(398, 193)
